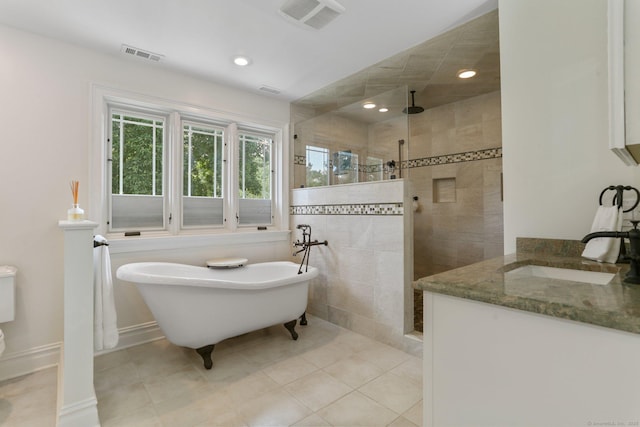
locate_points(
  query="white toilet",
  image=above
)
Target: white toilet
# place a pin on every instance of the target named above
(7, 298)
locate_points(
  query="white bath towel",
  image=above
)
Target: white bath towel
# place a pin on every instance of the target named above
(605, 249)
(105, 318)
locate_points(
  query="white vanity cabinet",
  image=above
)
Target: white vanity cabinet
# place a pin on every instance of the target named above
(624, 79)
(486, 365)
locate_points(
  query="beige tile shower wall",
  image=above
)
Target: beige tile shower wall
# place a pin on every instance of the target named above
(451, 234)
(365, 271)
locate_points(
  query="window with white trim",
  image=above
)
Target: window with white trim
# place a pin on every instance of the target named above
(202, 175)
(137, 171)
(170, 171)
(255, 178)
(317, 166)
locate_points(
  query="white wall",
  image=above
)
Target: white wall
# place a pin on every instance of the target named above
(554, 118)
(44, 143)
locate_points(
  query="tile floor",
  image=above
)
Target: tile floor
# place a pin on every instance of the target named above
(328, 377)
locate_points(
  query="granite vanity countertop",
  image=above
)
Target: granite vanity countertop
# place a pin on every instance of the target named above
(615, 305)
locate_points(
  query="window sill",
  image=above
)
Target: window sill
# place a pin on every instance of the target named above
(120, 245)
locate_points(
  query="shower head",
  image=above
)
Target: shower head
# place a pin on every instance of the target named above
(413, 109)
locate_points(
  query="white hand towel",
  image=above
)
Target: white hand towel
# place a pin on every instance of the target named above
(605, 249)
(105, 318)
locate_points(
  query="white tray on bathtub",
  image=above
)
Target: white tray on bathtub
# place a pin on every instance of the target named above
(226, 262)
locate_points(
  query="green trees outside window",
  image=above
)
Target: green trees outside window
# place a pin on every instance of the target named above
(202, 161)
(255, 167)
(317, 166)
(137, 154)
(144, 161)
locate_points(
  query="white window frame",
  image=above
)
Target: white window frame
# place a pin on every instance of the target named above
(225, 184)
(175, 236)
(274, 168)
(116, 108)
(325, 151)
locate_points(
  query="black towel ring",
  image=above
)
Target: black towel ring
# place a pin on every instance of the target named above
(618, 199)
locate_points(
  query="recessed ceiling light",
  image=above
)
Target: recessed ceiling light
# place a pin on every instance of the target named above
(369, 105)
(241, 61)
(383, 110)
(466, 74)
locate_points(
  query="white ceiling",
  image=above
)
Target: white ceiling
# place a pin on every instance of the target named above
(199, 37)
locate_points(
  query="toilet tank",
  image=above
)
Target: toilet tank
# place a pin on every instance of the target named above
(7, 293)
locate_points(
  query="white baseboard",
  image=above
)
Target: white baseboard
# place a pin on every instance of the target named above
(25, 362)
(20, 363)
(83, 413)
(135, 335)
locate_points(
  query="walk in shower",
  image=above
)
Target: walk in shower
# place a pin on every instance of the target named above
(443, 141)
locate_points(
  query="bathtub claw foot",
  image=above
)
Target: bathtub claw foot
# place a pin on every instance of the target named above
(291, 328)
(205, 353)
(303, 319)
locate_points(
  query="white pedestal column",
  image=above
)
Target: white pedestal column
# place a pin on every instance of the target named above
(77, 403)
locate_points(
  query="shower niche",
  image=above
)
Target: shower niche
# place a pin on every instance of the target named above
(354, 143)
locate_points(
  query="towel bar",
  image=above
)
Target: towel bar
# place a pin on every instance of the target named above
(96, 244)
(617, 199)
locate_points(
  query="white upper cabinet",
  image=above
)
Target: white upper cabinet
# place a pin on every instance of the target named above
(624, 89)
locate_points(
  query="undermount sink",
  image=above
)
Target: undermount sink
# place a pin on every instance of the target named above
(582, 276)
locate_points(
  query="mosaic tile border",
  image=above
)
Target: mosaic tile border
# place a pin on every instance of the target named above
(349, 209)
(467, 156)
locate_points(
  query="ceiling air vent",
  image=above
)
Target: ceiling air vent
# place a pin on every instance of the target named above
(139, 53)
(311, 13)
(269, 89)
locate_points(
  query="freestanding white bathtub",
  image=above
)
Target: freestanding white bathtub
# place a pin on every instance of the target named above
(198, 307)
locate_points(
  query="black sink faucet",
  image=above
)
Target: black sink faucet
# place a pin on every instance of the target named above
(633, 275)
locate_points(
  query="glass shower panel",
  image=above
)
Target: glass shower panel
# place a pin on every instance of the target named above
(354, 143)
